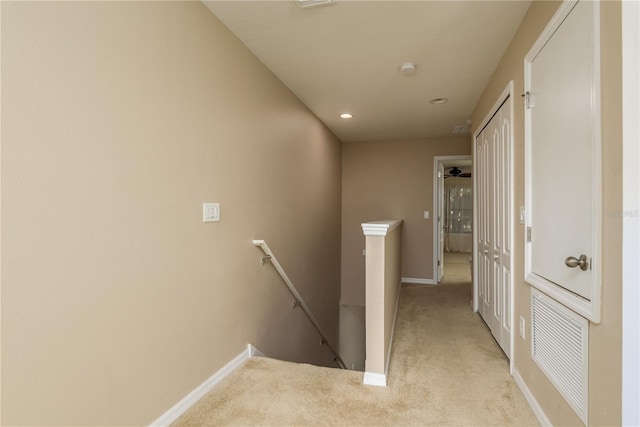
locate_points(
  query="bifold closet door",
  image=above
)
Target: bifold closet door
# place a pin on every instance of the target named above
(494, 225)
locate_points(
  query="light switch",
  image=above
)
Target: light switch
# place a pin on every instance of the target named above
(210, 212)
(426, 214)
(521, 214)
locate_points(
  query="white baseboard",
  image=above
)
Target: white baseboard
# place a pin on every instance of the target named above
(535, 406)
(371, 378)
(416, 281)
(189, 400)
(254, 352)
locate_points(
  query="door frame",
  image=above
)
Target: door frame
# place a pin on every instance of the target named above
(437, 161)
(506, 93)
(631, 208)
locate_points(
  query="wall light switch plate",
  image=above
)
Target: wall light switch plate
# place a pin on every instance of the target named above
(426, 214)
(210, 212)
(522, 215)
(521, 327)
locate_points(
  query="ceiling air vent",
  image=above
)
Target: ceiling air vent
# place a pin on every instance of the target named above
(459, 130)
(304, 4)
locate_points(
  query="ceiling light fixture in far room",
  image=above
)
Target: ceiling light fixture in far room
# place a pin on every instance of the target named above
(346, 115)
(408, 69)
(304, 4)
(439, 101)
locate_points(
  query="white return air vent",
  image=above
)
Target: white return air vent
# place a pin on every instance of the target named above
(460, 129)
(559, 345)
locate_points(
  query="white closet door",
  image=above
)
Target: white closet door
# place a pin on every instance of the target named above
(504, 225)
(494, 225)
(482, 167)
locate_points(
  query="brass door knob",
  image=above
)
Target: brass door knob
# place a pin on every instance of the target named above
(573, 262)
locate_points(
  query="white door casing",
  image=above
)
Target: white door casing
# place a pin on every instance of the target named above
(562, 158)
(440, 213)
(631, 214)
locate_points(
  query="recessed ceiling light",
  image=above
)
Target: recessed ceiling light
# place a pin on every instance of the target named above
(439, 100)
(346, 115)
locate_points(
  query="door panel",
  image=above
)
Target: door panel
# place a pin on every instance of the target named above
(494, 222)
(562, 93)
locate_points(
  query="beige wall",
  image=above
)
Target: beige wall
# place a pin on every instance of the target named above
(119, 120)
(352, 336)
(604, 339)
(390, 179)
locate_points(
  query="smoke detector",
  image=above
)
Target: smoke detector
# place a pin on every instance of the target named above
(408, 69)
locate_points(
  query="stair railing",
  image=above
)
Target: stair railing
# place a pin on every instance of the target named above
(298, 301)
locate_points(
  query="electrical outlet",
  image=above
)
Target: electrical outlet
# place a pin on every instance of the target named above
(521, 327)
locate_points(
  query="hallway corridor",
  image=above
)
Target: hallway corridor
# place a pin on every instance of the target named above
(445, 369)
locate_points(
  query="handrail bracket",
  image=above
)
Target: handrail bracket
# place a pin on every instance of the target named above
(264, 259)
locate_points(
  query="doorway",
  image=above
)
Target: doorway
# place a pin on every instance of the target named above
(453, 209)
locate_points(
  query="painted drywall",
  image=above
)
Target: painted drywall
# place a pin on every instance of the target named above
(392, 252)
(390, 179)
(383, 285)
(605, 338)
(119, 120)
(352, 336)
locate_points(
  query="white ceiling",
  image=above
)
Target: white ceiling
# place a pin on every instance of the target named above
(345, 57)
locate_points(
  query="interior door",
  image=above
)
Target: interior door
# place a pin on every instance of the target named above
(493, 147)
(564, 134)
(441, 221)
(483, 178)
(503, 219)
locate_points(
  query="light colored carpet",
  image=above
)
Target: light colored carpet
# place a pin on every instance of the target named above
(445, 370)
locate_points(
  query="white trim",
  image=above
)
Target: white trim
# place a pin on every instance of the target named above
(589, 309)
(393, 329)
(254, 352)
(189, 400)
(506, 93)
(535, 406)
(371, 378)
(436, 240)
(630, 214)
(380, 228)
(418, 281)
